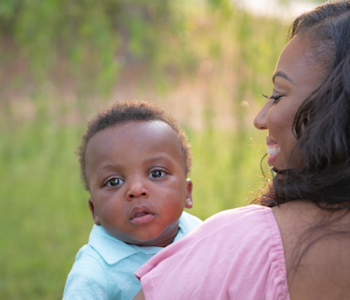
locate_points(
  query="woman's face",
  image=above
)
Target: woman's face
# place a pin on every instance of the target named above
(298, 73)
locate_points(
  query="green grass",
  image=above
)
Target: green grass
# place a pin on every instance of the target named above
(45, 216)
(225, 170)
(44, 210)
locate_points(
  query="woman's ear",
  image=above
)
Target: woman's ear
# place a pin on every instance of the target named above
(189, 187)
(93, 213)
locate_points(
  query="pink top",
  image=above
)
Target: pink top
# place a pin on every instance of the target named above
(235, 254)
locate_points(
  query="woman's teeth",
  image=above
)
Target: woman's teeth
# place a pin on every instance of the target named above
(273, 149)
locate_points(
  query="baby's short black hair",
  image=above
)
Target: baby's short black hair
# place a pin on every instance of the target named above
(124, 111)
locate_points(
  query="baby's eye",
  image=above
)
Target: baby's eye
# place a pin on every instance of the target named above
(157, 174)
(114, 182)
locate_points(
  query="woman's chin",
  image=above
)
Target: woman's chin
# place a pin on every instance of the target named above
(273, 159)
(275, 163)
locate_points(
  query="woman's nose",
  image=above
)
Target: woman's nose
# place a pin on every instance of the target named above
(137, 189)
(260, 120)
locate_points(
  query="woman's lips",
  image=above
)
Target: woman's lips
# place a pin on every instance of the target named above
(273, 150)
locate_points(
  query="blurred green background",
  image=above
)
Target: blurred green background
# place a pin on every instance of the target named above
(205, 61)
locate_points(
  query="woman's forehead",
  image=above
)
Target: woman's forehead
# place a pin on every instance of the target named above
(297, 61)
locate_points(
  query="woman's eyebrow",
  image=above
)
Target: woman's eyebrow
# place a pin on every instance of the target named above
(283, 75)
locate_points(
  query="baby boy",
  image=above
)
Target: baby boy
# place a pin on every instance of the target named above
(134, 161)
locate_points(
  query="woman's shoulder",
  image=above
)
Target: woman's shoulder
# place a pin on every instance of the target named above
(316, 243)
(246, 216)
(294, 218)
(242, 224)
(243, 210)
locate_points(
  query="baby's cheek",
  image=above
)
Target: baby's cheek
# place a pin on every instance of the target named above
(111, 209)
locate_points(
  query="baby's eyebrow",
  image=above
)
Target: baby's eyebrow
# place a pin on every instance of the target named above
(157, 158)
(108, 167)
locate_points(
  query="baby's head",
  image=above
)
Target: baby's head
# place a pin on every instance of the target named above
(134, 161)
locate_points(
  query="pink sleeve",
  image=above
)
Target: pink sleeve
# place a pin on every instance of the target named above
(236, 254)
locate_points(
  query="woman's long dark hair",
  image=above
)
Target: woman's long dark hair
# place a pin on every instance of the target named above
(319, 167)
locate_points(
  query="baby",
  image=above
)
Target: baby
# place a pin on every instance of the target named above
(134, 161)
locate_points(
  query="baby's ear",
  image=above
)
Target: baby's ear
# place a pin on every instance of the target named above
(94, 215)
(189, 186)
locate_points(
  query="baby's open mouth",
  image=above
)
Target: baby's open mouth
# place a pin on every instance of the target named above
(141, 216)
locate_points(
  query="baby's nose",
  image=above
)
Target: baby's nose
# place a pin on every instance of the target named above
(136, 189)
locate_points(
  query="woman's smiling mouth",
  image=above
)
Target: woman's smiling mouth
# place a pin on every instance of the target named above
(273, 150)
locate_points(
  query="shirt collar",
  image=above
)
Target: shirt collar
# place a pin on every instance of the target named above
(113, 250)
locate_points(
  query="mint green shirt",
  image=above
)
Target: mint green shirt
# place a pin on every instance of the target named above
(104, 268)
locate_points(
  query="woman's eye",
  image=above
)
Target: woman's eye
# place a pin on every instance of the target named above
(274, 98)
(114, 182)
(157, 174)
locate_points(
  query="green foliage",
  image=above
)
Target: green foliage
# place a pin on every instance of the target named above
(226, 169)
(86, 47)
(89, 40)
(62, 58)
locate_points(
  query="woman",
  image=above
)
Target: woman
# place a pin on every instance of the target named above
(296, 243)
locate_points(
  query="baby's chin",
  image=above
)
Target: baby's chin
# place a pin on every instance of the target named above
(147, 235)
(151, 242)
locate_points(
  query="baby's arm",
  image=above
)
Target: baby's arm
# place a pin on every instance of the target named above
(86, 280)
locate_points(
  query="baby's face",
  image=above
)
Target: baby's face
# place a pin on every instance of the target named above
(136, 176)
